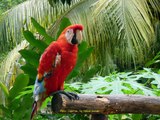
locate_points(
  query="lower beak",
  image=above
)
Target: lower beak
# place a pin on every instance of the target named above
(74, 40)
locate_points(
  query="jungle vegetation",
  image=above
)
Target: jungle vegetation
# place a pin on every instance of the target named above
(121, 50)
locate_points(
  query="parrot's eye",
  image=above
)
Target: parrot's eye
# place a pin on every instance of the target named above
(68, 31)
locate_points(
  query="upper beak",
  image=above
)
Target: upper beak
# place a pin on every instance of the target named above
(79, 36)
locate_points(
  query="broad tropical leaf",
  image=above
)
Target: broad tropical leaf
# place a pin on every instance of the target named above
(122, 83)
(41, 31)
(30, 57)
(30, 70)
(41, 45)
(17, 87)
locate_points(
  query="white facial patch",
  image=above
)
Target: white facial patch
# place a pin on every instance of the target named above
(69, 35)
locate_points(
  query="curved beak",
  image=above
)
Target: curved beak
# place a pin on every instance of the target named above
(79, 36)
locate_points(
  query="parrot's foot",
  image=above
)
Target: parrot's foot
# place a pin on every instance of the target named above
(70, 95)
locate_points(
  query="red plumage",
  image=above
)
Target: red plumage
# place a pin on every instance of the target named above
(57, 61)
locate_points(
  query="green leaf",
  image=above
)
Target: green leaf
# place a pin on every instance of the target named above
(137, 117)
(82, 47)
(14, 104)
(73, 74)
(27, 90)
(22, 107)
(83, 54)
(73, 87)
(94, 85)
(2, 107)
(30, 70)
(34, 42)
(4, 89)
(6, 111)
(120, 83)
(30, 56)
(65, 22)
(141, 88)
(20, 83)
(116, 86)
(91, 72)
(154, 60)
(41, 31)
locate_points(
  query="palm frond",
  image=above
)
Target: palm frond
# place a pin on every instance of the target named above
(120, 30)
(10, 68)
(10, 65)
(155, 4)
(12, 21)
(133, 19)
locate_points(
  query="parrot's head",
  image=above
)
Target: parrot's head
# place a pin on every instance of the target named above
(73, 34)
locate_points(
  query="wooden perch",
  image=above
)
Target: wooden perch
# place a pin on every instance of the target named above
(106, 104)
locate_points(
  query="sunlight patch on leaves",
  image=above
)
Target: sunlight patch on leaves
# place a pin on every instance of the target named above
(123, 83)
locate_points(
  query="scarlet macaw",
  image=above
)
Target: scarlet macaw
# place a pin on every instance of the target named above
(55, 64)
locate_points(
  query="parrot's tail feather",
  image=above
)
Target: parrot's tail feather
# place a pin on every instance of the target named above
(34, 109)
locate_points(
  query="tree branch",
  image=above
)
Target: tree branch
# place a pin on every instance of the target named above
(106, 104)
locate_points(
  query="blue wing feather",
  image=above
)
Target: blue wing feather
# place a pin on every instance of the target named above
(38, 87)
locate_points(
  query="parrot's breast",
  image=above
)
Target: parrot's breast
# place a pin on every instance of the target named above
(60, 72)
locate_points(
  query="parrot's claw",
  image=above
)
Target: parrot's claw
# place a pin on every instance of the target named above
(70, 95)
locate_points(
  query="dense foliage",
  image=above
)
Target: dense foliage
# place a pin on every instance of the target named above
(123, 38)
(128, 26)
(32, 55)
(144, 81)
(7, 4)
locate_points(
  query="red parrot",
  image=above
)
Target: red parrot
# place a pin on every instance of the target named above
(55, 64)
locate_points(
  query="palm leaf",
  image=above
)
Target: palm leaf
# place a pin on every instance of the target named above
(113, 27)
(155, 5)
(121, 31)
(12, 21)
(134, 23)
(9, 65)
(10, 68)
